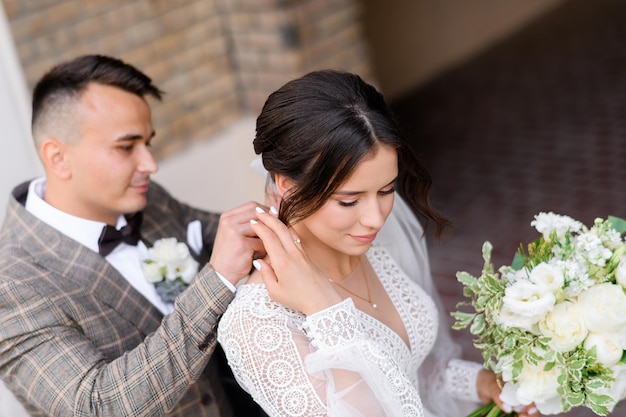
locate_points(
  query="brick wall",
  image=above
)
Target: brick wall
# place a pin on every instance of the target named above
(277, 40)
(216, 59)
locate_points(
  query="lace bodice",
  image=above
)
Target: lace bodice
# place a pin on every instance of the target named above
(340, 361)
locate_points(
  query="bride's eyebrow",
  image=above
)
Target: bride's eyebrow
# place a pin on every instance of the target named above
(349, 193)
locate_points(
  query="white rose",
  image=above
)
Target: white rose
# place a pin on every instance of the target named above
(546, 407)
(549, 276)
(188, 270)
(152, 272)
(620, 272)
(608, 347)
(550, 406)
(565, 327)
(534, 385)
(171, 259)
(171, 254)
(164, 251)
(603, 307)
(524, 304)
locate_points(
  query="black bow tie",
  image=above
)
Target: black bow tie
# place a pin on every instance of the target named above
(111, 237)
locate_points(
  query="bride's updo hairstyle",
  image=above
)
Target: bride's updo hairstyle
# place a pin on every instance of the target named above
(316, 129)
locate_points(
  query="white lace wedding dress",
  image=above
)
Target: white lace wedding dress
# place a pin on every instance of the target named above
(340, 361)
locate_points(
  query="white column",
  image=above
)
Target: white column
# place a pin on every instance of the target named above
(18, 161)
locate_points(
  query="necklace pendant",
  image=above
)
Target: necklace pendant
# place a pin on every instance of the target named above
(374, 306)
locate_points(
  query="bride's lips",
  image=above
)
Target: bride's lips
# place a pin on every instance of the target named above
(364, 238)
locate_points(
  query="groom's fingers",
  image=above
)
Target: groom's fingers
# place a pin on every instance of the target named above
(236, 244)
(238, 219)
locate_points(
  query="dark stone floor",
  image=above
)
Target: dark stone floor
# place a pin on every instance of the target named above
(535, 123)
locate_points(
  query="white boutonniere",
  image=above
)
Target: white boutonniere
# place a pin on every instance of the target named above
(170, 267)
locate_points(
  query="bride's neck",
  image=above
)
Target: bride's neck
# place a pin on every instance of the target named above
(333, 264)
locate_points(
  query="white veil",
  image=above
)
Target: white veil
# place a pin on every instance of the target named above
(402, 236)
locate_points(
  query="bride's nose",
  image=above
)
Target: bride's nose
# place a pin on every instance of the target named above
(372, 215)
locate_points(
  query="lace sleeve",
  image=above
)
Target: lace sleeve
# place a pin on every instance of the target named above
(323, 365)
(460, 379)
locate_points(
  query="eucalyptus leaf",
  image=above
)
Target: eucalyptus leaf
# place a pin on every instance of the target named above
(617, 223)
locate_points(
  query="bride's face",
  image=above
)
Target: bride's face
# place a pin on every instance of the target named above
(349, 221)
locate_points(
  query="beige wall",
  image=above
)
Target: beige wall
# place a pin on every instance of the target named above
(413, 40)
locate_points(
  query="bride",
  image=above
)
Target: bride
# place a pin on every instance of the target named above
(367, 336)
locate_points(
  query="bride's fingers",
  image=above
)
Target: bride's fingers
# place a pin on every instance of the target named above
(286, 236)
(267, 273)
(271, 242)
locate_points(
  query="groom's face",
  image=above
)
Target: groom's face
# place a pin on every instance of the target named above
(111, 162)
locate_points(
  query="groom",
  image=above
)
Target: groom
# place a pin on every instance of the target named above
(82, 332)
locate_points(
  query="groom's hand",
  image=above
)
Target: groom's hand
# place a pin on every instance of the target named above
(236, 244)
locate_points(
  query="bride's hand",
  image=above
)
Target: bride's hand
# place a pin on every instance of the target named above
(291, 279)
(489, 390)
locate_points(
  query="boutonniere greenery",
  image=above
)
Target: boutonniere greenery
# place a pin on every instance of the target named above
(170, 267)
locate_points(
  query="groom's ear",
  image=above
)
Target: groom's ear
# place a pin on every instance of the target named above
(283, 184)
(54, 158)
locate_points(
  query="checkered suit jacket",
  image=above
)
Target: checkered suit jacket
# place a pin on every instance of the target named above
(77, 339)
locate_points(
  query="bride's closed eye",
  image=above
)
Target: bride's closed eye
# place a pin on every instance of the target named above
(386, 191)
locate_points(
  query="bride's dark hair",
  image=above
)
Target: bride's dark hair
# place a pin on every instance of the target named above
(316, 129)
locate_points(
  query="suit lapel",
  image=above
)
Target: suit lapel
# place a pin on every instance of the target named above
(80, 266)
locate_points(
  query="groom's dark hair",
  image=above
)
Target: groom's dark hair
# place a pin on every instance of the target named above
(65, 83)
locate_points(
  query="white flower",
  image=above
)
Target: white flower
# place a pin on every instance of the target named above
(565, 327)
(537, 385)
(608, 347)
(576, 277)
(524, 304)
(592, 249)
(513, 275)
(546, 223)
(169, 260)
(603, 307)
(547, 276)
(152, 272)
(188, 270)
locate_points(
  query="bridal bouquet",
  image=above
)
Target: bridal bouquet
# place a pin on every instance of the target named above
(552, 325)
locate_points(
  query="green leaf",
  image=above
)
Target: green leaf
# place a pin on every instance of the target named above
(478, 326)
(617, 223)
(577, 365)
(519, 260)
(575, 400)
(465, 278)
(599, 399)
(487, 247)
(462, 319)
(595, 384)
